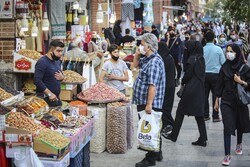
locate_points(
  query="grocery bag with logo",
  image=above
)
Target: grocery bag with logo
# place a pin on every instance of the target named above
(149, 131)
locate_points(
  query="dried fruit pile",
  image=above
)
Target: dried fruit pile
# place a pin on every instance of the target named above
(19, 120)
(101, 92)
(73, 77)
(4, 95)
(30, 54)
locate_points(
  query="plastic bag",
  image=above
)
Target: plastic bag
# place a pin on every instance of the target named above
(148, 133)
(89, 73)
(30, 160)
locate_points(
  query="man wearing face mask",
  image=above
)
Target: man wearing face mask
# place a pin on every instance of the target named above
(234, 39)
(197, 36)
(48, 74)
(114, 71)
(174, 44)
(214, 58)
(149, 86)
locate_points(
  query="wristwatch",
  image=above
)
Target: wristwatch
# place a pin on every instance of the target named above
(49, 94)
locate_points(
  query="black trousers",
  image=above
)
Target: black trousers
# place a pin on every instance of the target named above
(210, 84)
(167, 106)
(151, 155)
(178, 123)
(177, 66)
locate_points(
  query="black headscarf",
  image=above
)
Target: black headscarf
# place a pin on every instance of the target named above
(163, 49)
(232, 67)
(191, 48)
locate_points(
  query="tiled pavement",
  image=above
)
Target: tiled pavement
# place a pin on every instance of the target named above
(182, 153)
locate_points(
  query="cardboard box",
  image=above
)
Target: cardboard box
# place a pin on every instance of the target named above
(23, 64)
(67, 86)
(68, 94)
(44, 149)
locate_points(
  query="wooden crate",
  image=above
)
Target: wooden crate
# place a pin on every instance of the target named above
(7, 29)
(6, 49)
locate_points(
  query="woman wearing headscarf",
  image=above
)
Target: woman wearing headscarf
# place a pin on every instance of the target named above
(117, 32)
(193, 97)
(235, 115)
(167, 119)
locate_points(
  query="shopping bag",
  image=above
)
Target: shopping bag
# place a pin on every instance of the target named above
(29, 160)
(85, 74)
(149, 131)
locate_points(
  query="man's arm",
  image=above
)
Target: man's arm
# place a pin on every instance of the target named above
(151, 95)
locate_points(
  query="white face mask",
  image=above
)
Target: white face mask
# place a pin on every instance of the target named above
(233, 36)
(222, 39)
(199, 32)
(141, 48)
(230, 56)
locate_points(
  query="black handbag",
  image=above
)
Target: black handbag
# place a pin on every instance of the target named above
(244, 96)
(180, 91)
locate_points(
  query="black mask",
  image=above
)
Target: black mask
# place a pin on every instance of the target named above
(115, 58)
(54, 57)
(186, 38)
(172, 35)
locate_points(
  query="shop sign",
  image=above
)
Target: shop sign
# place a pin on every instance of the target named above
(23, 64)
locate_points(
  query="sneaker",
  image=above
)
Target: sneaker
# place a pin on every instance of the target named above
(226, 160)
(238, 149)
(144, 163)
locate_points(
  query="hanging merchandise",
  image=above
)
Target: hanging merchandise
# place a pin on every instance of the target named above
(148, 17)
(99, 14)
(24, 24)
(34, 29)
(69, 19)
(45, 22)
(76, 19)
(22, 8)
(57, 15)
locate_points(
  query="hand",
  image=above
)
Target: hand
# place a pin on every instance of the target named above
(111, 76)
(53, 97)
(148, 108)
(100, 54)
(237, 79)
(137, 52)
(59, 76)
(216, 105)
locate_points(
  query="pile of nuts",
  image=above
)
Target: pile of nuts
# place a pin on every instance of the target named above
(54, 138)
(32, 54)
(98, 142)
(19, 120)
(73, 77)
(4, 95)
(116, 128)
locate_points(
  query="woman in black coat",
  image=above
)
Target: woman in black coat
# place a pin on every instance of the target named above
(193, 97)
(167, 119)
(235, 115)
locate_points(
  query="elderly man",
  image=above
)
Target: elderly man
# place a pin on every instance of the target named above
(149, 86)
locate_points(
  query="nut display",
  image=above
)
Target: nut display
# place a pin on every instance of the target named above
(116, 128)
(19, 120)
(32, 105)
(4, 110)
(101, 92)
(29, 86)
(30, 54)
(4, 95)
(9, 89)
(73, 77)
(54, 138)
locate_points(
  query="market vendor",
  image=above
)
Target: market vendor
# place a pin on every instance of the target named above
(77, 52)
(114, 71)
(48, 74)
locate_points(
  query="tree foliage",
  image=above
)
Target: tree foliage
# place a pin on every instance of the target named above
(239, 10)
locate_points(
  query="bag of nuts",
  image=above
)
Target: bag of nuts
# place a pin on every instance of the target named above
(117, 128)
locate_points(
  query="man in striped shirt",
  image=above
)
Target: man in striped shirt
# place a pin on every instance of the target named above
(149, 86)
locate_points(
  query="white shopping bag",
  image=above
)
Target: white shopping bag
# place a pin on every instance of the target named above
(89, 73)
(30, 160)
(149, 131)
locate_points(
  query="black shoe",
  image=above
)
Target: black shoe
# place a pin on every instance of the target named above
(177, 82)
(159, 156)
(168, 136)
(144, 163)
(200, 143)
(206, 118)
(216, 120)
